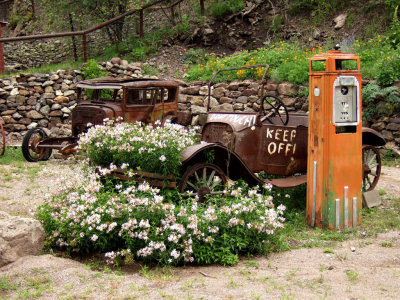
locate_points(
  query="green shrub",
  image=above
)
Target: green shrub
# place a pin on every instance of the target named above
(135, 221)
(378, 101)
(195, 56)
(393, 37)
(286, 62)
(219, 9)
(137, 146)
(183, 26)
(293, 71)
(92, 70)
(149, 70)
(276, 24)
(379, 60)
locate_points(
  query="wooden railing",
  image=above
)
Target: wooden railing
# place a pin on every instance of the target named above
(83, 33)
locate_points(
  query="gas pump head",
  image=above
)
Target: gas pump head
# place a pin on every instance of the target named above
(334, 140)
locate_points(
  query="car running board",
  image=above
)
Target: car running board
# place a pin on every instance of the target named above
(288, 182)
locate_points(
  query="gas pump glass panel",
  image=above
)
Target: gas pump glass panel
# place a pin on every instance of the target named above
(346, 65)
(346, 110)
(318, 65)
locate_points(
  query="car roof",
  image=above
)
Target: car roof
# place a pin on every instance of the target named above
(117, 83)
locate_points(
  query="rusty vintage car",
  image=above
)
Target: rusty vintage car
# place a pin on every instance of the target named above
(145, 100)
(239, 145)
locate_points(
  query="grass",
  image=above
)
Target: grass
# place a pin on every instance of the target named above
(6, 284)
(387, 244)
(12, 155)
(389, 159)
(18, 166)
(329, 250)
(250, 263)
(66, 65)
(32, 286)
(377, 220)
(351, 275)
(297, 234)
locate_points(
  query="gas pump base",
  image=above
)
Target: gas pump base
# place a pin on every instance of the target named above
(334, 168)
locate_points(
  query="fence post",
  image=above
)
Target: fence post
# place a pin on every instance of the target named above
(172, 14)
(202, 7)
(71, 23)
(84, 48)
(1, 50)
(141, 31)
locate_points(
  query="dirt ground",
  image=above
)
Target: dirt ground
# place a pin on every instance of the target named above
(371, 271)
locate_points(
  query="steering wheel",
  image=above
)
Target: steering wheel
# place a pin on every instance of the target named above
(275, 107)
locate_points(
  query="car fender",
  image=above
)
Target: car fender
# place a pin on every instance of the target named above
(221, 156)
(372, 137)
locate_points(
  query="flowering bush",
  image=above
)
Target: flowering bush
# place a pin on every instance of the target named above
(137, 146)
(289, 62)
(135, 221)
(286, 62)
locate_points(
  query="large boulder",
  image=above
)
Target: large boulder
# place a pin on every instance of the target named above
(19, 237)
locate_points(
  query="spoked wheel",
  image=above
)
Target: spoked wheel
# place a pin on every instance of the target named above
(2, 140)
(371, 167)
(29, 145)
(275, 107)
(203, 179)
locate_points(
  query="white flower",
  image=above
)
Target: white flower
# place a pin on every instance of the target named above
(94, 237)
(175, 254)
(162, 158)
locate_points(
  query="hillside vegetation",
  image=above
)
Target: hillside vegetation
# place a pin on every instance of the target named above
(283, 34)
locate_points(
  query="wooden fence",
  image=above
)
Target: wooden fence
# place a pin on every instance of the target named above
(84, 33)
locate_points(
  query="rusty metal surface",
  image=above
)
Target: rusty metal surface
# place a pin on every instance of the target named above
(288, 182)
(238, 121)
(57, 143)
(203, 179)
(2, 140)
(230, 163)
(274, 149)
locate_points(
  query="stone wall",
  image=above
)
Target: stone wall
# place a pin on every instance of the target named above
(46, 100)
(32, 54)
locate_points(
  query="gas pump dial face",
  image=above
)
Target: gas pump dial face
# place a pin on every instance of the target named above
(344, 90)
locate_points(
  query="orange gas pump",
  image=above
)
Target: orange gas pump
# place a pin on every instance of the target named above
(334, 167)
